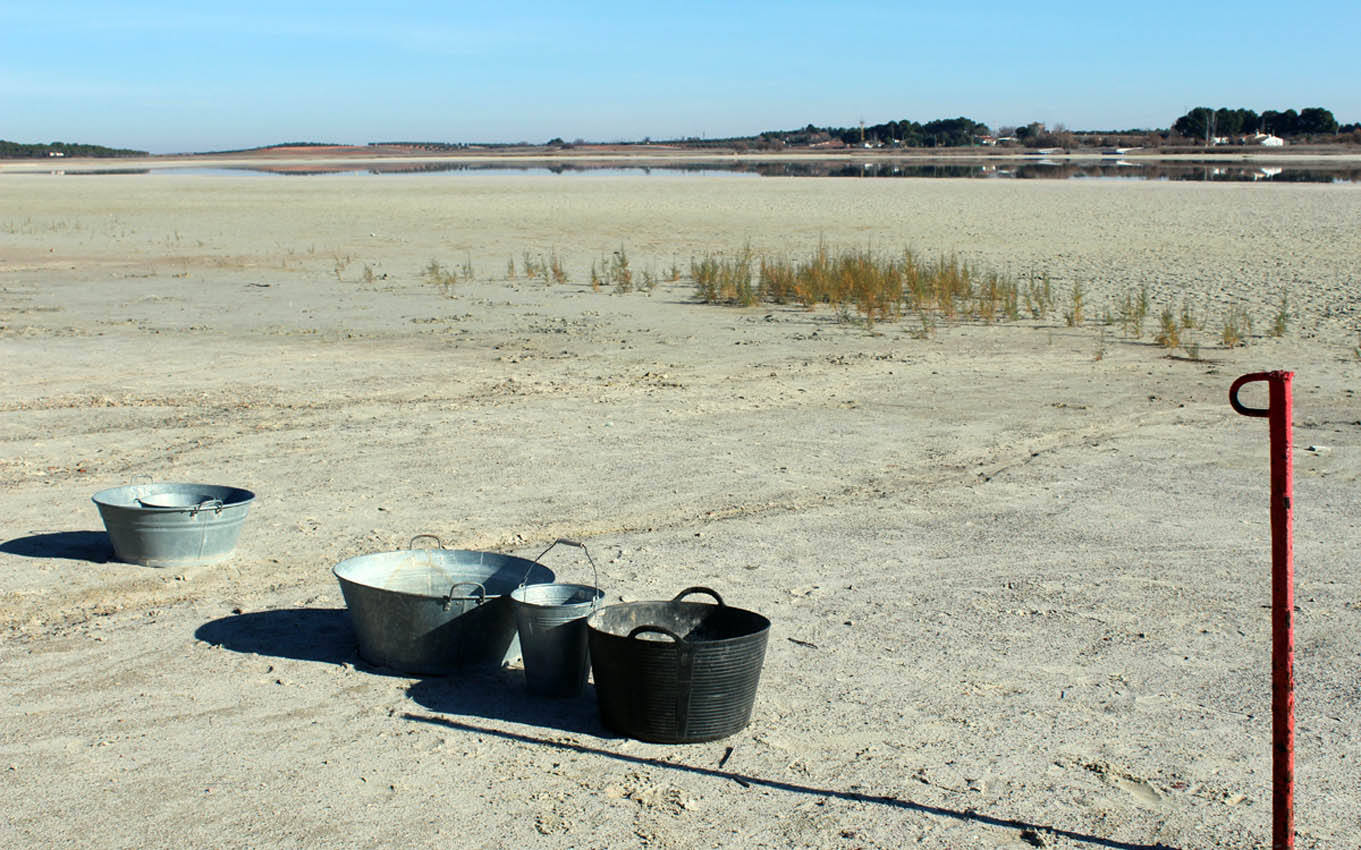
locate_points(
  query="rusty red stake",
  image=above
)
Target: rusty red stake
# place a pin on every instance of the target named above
(1277, 414)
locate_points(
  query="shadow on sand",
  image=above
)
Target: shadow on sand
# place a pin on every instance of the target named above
(304, 634)
(499, 694)
(1039, 835)
(92, 546)
(326, 635)
(494, 693)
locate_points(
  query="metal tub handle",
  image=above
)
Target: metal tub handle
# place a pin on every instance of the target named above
(207, 504)
(450, 598)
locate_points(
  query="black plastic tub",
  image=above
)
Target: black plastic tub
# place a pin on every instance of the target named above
(677, 672)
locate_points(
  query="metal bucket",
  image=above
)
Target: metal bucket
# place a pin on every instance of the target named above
(171, 525)
(551, 621)
(431, 611)
(677, 672)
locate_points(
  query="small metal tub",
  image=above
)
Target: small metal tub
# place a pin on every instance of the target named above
(551, 622)
(677, 672)
(171, 525)
(432, 611)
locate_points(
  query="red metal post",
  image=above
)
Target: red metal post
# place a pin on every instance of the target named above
(1278, 415)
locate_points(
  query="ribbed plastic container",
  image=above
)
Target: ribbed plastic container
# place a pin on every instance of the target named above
(677, 672)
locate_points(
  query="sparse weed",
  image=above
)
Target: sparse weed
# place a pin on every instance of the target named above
(436, 274)
(726, 280)
(556, 268)
(1073, 316)
(1281, 320)
(1039, 296)
(1169, 332)
(619, 272)
(1237, 326)
(880, 288)
(1188, 317)
(533, 267)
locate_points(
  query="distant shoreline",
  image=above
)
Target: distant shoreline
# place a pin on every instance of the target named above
(359, 157)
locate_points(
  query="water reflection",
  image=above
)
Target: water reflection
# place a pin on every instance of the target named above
(1041, 169)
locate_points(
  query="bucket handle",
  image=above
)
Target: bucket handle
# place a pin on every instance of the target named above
(450, 597)
(595, 572)
(439, 544)
(661, 630)
(214, 505)
(689, 590)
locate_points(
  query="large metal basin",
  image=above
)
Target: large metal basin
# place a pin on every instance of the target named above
(432, 611)
(171, 525)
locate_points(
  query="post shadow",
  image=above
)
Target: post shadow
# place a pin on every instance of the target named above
(92, 546)
(966, 815)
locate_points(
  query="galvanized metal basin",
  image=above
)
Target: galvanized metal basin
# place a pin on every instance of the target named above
(432, 611)
(677, 672)
(171, 525)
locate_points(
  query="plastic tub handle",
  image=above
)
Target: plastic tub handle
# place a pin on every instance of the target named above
(661, 630)
(689, 590)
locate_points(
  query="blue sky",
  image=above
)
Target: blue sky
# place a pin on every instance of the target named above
(169, 77)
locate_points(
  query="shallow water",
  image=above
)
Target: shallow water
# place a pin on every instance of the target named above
(1098, 169)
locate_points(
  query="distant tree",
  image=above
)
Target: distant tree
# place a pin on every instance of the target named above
(1316, 120)
(1037, 135)
(1235, 122)
(1195, 124)
(953, 131)
(1281, 123)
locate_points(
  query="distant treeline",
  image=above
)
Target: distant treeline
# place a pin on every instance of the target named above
(1206, 123)
(18, 150)
(943, 132)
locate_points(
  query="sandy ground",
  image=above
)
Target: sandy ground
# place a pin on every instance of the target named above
(1018, 575)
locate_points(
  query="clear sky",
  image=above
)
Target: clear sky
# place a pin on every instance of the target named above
(182, 76)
